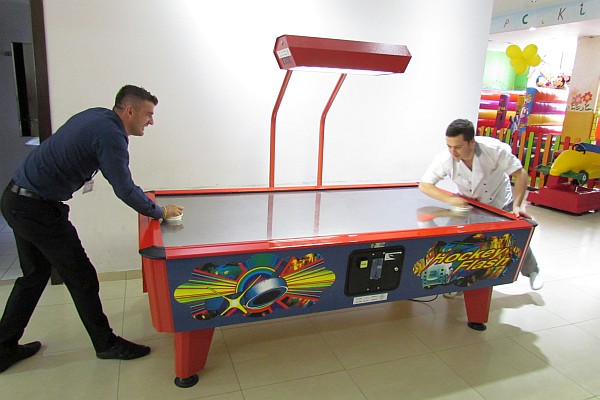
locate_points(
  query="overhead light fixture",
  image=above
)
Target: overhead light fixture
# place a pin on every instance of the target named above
(341, 56)
(331, 55)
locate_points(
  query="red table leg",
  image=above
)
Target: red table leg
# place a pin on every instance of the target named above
(477, 303)
(191, 352)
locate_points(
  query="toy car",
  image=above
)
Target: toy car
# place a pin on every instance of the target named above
(581, 163)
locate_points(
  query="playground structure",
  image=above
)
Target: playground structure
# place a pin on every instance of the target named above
(574, 184)
(538, 110)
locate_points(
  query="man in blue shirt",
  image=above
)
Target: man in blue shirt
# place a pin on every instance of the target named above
(93, 140)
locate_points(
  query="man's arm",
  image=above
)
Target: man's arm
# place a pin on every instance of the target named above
(519, 190)
(435, 193)
(113, 157)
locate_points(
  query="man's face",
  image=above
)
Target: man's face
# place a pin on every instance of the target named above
(459, 148)
(139, 117)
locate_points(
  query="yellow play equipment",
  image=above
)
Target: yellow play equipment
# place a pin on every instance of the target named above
(583, 163)
(566, 185)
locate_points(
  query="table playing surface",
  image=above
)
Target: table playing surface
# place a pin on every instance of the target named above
(241, 217)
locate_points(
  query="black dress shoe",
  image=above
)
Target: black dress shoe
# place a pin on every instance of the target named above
(124, 350)
(22, 352)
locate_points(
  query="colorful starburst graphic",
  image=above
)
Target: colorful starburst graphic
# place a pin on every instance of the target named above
(256, 287)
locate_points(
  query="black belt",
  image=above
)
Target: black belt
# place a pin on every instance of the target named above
(24, 192)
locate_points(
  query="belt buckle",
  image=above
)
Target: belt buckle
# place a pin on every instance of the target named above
(21, 191)
(14, 188)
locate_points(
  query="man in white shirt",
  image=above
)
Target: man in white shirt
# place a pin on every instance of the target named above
(481, 167)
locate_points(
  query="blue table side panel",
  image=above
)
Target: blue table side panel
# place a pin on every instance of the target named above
(335, 258)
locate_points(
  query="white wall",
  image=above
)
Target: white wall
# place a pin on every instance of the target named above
(211, 64)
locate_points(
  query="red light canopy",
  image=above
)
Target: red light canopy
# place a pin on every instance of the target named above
(346, 56)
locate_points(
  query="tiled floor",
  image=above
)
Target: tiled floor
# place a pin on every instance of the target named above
(9, 266)
(538, 345)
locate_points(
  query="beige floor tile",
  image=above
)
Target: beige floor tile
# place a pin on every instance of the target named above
(543, 384)
(59, 328)
(488, 361)
(573, 231)
(152, 377)
(6, 260)
(278, 352)
(557, 269)
(3, 271)
(8, 249)
(254, 324)
(514, 296)
(592, 326)
(551, 240)
(570, 350)
(440, 332)
(356, 317)
(59, 294)
(69, 375)
(246, 342)
(425, 306)
(422, 377)
(512, 318)
(226, 396)
(374, 343)
(7, 237)
(55, 295)
(135, 288)
(562, 240)
(4, 293)
(112, 289)
(137, 320)
(333, 386)
(308, 356)
(503, 369)
(112, 276)
(12, 273)
(570, 303)
(589, 284)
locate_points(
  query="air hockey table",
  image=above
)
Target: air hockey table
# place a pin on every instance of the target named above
(244, 255)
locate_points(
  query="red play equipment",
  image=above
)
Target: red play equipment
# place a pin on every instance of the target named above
(562, 193)
(569, 189)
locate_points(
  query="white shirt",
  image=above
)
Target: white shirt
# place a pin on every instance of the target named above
(489, 180)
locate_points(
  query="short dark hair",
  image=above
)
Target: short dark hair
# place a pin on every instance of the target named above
(130, 93)
(461, 127)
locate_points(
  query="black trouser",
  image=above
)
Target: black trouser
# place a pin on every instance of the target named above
(45, 237)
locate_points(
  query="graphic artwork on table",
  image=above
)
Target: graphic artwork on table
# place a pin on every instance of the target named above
(256, 287)
(465, 262)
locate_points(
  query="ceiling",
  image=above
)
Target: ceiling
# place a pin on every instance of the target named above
(498, 41)
(503, 7)
(554, 33)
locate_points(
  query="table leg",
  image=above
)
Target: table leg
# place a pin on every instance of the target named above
(191, 352)
(477, 303)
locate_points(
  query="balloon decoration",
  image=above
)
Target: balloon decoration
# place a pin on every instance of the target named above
(522, 59)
